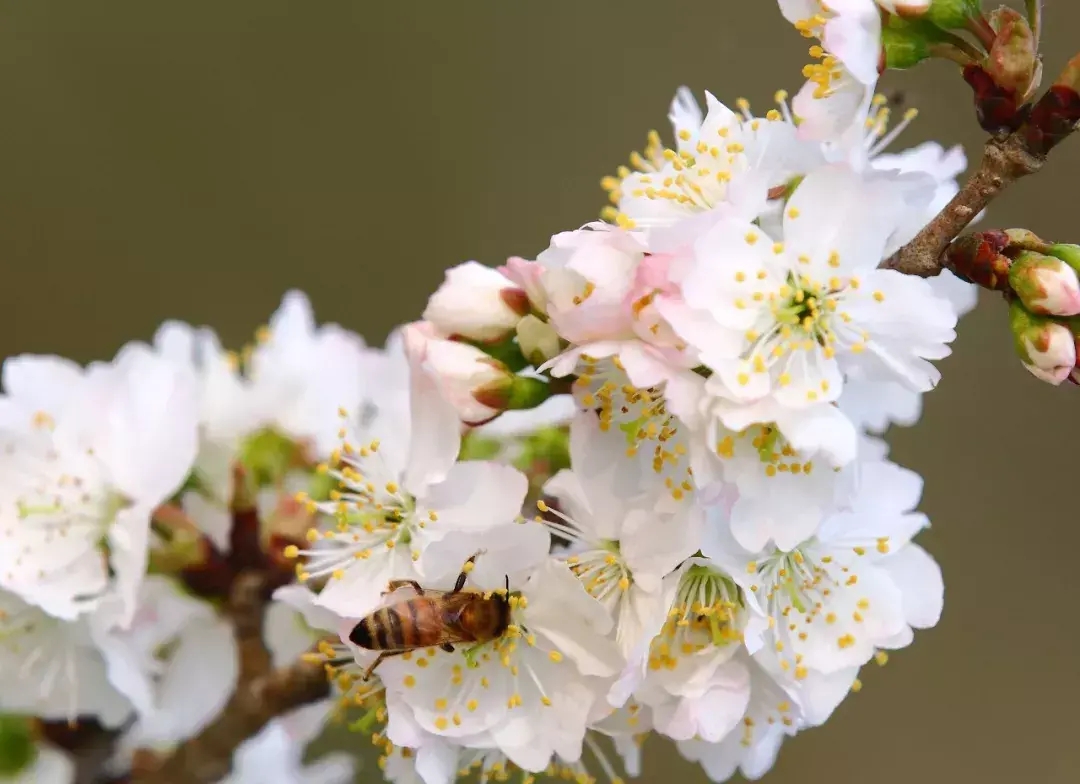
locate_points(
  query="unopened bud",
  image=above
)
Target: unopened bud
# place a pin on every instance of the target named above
(1046, 285)
(1057, 113)
(1013, 61)
(953, 14)
(476, 384)
(515, 393)
(978, 258)
(537, 340)
(476, 303)
(1045, 346)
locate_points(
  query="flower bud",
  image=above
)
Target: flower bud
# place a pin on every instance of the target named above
(1046, 347)
(537, 340)
(953, 14)
(978, 258)
(475, 384)
(1046, 285)
(1056, 115)
(477, 303)
(1013, 61)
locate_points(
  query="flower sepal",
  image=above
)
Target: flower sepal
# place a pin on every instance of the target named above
(954, 14)
(907, 42)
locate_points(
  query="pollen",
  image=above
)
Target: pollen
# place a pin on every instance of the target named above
(879, 296)
(409, 681)
(845, 641)
(555, 656)
(292, 551)
(442, 722)
(441, 704)
(472, 705)
(751, 238)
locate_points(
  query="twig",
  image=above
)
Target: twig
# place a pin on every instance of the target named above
(262, 694)
(1005, 160)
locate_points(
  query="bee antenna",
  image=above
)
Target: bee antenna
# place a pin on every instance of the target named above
(507, 585)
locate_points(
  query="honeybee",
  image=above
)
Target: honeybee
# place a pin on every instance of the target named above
(433, 619)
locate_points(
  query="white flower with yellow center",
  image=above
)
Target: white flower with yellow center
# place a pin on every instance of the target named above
(856, 586)
(85, 458)
(532, 692)
(651, 435)
(726, 160)
(788, 319)
(694, 672)
(619, 547)
(771, 492)
(52, 669)
(394, 503)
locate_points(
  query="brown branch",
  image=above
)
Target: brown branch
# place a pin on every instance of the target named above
(262, 694)
(1005, 160)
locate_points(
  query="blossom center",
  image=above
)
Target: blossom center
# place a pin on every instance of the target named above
(807, 593)
(373, 514)
(642, 417)
(705, 614)
(773, 452)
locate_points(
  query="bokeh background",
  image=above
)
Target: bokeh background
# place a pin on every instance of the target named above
(195, 159)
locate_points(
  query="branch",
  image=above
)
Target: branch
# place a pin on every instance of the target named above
(1005, 160)
(262, 694)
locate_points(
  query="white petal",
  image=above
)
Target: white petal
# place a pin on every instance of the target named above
(42, 382)
(919, 578)
(435, 433)
(475, 495)
(561, 610)
(148, 435)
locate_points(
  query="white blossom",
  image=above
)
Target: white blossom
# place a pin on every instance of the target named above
(394, 502)
(529, 694)
(620, 547)
(86, 456)
(858, 585)
(177, 662)
(52, 668)
(789, 318)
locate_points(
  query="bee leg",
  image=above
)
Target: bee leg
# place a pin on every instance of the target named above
(448, 647)
(465, 569)
(378, 661)
(393, 585)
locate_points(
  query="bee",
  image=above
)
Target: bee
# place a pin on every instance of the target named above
(433, 619)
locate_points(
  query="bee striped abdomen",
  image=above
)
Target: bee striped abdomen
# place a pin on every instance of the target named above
(400, 627)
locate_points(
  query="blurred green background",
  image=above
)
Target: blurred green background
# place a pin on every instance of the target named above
(194, 159)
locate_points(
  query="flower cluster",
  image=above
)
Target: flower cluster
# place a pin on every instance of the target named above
(632, 485)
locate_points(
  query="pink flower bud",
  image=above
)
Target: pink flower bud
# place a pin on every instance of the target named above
(477, 303)
(1046, 347)
(470, 380)
(1046, 285)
